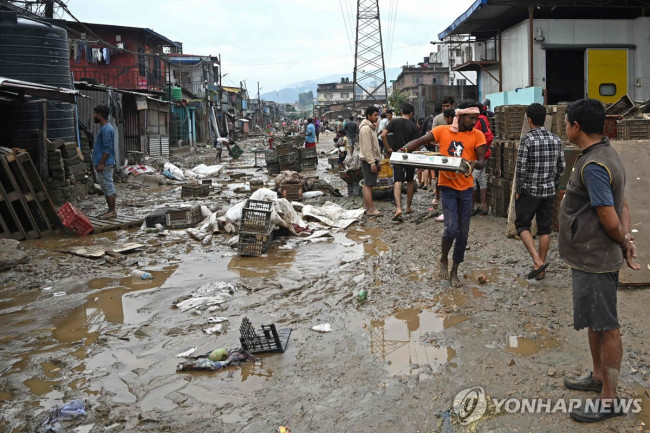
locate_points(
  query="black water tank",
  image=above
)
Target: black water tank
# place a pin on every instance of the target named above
(36, 51)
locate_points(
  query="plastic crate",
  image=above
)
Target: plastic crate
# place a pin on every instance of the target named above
(159, 216)
(271, 155)
(354, 189)
(195, 190)
(611, 127)
(286, 159)
(334, 162)
(184, 218)
(291, 191)
(308, 153)
(273, 168)
(287, 167)
(310, 164)
(74, 220)
(284, 149)
(385, 169)
(269, 340)
(235, 151)
(256, 216)
(633, 129)
(254, 244)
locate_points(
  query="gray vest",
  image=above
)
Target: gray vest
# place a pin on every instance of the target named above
(582, 241)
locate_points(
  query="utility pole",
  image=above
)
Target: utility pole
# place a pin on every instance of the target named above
(369, 68)
(259, 107)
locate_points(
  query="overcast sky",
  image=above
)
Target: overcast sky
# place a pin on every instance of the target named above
(278, 42)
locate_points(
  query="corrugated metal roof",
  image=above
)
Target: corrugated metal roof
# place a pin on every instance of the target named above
(231, 89)
(484, 18)
(25, 88)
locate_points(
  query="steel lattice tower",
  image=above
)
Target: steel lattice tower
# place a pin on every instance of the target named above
(369, 66)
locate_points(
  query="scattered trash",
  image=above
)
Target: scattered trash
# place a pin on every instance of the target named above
(216, 319)
(362, 296)
(235, 357)
(203, 170)
(210, 294)
(142, 275)
(324, 327)
(482, 279)
(216, 329)
(58, 294)
(333, 215)
(635, 231)
(270, 340)
(319, 235)
(175, 172)
(187, 353)
(67, 412)
(283, 429)
(99, 251)
(45, 289)
(218, 355)
(312, 194)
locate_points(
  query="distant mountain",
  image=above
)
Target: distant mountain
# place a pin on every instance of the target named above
(289, 94)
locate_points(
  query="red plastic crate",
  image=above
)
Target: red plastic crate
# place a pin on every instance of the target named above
(75, 220)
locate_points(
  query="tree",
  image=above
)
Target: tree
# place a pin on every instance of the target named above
(396, 100)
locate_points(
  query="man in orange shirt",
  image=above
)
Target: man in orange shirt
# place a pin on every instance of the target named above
(459, 139)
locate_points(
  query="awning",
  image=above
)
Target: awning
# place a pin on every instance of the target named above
(484, 18)
(21, 90)
(475, 65)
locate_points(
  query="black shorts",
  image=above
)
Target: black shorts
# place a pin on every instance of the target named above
(527, 207)
(369, 178)
(342, 156)
(594, 300)
(403, 174)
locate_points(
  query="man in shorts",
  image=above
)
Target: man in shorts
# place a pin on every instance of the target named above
(370, 157)
(404, 131)
(218, 145)
(104, 158)
(594, 240)
(540, 163)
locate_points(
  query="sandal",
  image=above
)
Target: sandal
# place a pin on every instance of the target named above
(535, 272)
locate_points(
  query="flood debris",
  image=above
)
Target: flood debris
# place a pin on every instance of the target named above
(99, 251)
(187, 353)
(323, 327)
(67, 412)
(207, 295)
(235, 357)
(11, 254)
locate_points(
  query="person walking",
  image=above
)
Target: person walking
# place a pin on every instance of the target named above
(404, 131)
(480, 178)
(352, 132)
(317, 128)
(370, 156)
(459, 139)
(448, 103)
(310, 134)
(103, 158)
(540, 163)
(595, 240)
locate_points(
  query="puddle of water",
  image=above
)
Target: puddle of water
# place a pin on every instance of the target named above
(6, 396)
(371, 237)
(398, 340)
(40, 387)
(530, 345)
(50, 369)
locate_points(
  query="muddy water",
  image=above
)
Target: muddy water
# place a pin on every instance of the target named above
(530, 345)
(407, 340)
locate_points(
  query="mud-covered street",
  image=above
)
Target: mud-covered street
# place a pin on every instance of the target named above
(80, 328)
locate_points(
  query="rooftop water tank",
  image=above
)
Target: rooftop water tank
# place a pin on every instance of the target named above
(36, 51)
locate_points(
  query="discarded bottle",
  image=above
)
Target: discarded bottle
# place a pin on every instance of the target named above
(362, 295)
(143, 275)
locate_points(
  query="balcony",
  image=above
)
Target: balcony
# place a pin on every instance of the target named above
(120, 77)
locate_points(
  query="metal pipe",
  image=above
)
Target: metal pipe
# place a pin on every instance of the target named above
(531, 7)
(500, 64)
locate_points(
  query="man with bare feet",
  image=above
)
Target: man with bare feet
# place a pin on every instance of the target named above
(459, 139)
(594, 240)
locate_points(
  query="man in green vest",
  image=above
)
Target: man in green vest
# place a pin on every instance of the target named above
(594, 240)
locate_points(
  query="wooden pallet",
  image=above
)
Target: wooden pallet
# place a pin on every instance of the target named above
(119, 223)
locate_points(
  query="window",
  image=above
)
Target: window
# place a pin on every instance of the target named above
(418, 80)
(156, 67)
(416, 94)
(461, 82)
(344, 96)
(435, 80)
(607, 89)
(142, 62)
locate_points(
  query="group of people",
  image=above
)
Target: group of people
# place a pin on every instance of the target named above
(595, 237)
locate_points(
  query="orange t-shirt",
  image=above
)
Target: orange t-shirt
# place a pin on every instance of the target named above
(460, 144)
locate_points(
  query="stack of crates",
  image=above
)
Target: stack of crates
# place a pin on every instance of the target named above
(272, 164)
(499, 195)
(308, 158)
(558, 127)
(509, 119)
(286, 156)
(255, 228)
(633, 129)
(291, 191)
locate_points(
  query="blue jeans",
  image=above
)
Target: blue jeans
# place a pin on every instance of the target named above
(457, 208)
(105, 179)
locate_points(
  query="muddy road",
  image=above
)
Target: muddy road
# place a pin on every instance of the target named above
(392, 363)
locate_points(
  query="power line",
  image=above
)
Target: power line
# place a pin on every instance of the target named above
(345, 24)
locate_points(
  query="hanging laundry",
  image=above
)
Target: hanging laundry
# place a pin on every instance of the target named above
(89, 54)
(97, 55)
(107, 55)
(77, 50)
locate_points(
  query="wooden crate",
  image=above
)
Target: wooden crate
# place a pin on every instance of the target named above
(633, 129)
(291, 191)
(195, 190)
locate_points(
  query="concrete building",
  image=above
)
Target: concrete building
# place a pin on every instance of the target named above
(557, 51)
(330, 93)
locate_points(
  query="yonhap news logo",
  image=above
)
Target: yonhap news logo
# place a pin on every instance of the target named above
(471, 404)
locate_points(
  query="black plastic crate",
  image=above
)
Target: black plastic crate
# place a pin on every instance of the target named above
(271, 155)
(284, 149)
(287, 167)
(269, 340)
(286, 159)
(256, 216)
(195, 190)
(273, 168)
(310, 164)
(308, 153)
(159, 216)
(255, 244)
